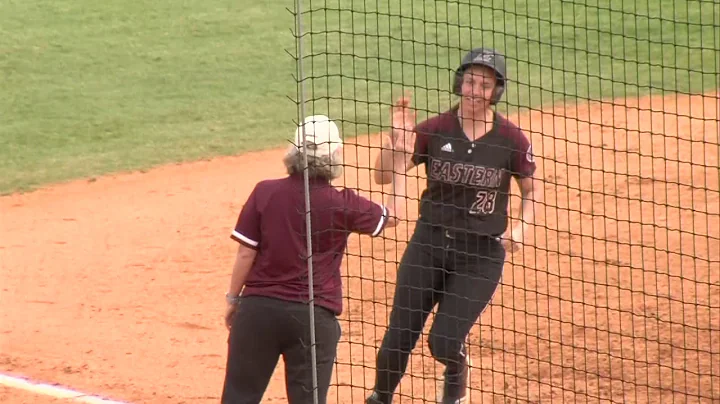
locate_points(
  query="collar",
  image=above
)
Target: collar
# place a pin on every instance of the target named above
(454, 112)
(312, 180)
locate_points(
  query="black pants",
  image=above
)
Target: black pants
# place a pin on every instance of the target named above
(458, 272)
(264, 329)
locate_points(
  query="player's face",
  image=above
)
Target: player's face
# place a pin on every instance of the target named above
(477, 87)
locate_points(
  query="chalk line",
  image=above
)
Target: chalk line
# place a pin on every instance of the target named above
(53, 391)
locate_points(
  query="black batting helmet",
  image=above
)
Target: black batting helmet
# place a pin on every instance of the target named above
(483, 57)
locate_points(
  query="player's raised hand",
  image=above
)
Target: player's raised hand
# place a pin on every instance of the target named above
(403, 125)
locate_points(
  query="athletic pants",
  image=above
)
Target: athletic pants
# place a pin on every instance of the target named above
(262, 330)
(458, 272)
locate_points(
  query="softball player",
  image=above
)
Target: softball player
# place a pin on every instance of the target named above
(456, 254)
(271, 316)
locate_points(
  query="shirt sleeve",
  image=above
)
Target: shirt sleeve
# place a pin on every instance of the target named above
(247, 227)
(523, 161)
(361, 215)
(422, 141)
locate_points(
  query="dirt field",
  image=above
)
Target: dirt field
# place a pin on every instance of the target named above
(115, 286)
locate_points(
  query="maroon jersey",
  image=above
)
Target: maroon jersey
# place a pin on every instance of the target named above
(273, 222)
(468, 182)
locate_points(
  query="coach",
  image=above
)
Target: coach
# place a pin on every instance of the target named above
(270, 318)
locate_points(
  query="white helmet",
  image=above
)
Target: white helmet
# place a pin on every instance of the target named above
(322, 136)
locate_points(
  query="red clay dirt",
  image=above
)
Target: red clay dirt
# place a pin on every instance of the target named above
(115, 286)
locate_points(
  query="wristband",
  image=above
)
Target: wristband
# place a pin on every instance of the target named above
(230, 299)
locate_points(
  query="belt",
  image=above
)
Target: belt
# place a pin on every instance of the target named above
(452, 235)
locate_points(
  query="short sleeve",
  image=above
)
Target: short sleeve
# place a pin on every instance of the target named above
(422, 140)
(361, 215)
(247, 227)
(523, 160)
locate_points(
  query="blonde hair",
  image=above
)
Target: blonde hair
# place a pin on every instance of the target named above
(328, 167)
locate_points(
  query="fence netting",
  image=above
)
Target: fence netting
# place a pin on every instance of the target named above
(614, 292)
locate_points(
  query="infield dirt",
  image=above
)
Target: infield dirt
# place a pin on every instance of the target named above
(114, 286)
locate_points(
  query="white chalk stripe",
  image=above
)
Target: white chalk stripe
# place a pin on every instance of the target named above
(53, 391)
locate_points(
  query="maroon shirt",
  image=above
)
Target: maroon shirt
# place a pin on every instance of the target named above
(273, 222)
(468, 182)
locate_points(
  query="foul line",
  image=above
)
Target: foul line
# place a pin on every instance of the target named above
(53, 391)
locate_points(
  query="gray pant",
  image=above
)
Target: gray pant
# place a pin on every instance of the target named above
(264, 329)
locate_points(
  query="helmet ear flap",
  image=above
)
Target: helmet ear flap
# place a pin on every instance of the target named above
(457, 81)
(498, 92)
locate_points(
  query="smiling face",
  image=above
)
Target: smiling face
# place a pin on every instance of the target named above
(477, 89)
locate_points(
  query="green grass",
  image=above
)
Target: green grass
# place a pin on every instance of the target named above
(557, 50)
(95, 87)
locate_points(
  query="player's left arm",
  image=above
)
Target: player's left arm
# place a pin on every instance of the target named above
(527, 208)
(523, 169)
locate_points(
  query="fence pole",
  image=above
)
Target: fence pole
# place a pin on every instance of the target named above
(306, 179)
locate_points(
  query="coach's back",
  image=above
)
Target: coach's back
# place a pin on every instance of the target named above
(274, 222)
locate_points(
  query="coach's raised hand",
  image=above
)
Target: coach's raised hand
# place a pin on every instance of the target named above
(403, 125)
